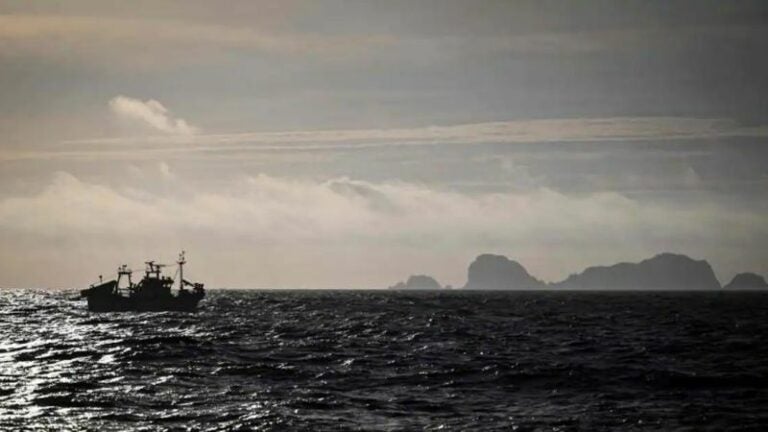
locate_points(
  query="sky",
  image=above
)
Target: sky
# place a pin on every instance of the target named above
(349, 144)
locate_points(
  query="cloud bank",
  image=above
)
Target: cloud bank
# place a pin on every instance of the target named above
(151, 113)
(333, 228)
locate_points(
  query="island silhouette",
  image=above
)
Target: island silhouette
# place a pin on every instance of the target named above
(746, 281)
(664, 271)
(417, 282)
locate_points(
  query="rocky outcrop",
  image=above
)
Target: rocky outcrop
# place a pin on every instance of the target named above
(747, 281)
(417, 282)
(497, 272)
(665, 271)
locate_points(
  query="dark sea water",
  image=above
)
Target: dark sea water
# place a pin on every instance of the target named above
(364, 360)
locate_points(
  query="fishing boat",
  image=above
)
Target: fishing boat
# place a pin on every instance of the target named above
(153, 293)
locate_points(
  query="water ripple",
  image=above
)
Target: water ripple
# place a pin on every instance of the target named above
(304, 360)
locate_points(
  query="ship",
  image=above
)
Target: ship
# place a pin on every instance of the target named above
(155, 292)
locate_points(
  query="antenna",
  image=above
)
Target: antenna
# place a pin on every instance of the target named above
(181, 261)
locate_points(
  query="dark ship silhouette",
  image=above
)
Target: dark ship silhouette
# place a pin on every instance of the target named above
(152, 293)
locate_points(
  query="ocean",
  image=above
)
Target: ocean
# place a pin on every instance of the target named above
(379, 360)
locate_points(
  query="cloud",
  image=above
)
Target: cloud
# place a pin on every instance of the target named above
(578, 130)
(348, 221)
(515, 131)
(165, 171)
(151, 113)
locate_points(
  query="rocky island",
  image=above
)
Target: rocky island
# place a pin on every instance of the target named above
(418, 282)
(746, 281)
(664, 271)
(497, 272)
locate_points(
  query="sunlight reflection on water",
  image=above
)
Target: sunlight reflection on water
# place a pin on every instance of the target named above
(392, 361)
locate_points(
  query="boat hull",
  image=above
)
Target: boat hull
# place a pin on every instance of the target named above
(101, 301)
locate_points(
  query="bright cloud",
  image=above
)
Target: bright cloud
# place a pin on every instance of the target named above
(151, 113)
(346, 222)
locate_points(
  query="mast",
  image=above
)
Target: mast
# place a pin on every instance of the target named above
(181, 263)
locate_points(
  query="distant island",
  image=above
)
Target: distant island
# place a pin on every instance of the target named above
(746, 281)
(497, 272)
(664, 271)
(418, 282)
